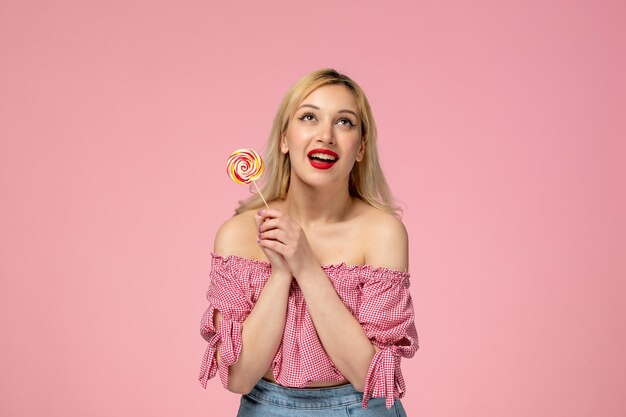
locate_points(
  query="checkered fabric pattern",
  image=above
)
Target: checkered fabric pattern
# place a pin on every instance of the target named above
(378, 297)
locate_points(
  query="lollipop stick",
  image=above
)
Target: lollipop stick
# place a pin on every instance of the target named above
(257, 188)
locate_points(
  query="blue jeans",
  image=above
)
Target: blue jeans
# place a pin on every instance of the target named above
(271, 400)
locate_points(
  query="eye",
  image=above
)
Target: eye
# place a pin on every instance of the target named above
(306, 117)
(346, 122)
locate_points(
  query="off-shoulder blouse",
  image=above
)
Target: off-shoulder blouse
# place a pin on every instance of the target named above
(377, 297)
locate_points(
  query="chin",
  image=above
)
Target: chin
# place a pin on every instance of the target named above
(321, 182)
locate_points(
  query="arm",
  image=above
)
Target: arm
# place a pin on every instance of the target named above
(341, 334)
(261, 335)
(343, 339)
(386, 314)
(262, 330)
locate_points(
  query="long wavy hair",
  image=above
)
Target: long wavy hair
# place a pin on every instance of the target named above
(367, 181)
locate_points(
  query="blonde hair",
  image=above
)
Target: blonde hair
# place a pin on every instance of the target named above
(367, 181)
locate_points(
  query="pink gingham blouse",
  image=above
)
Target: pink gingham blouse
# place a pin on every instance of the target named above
(378, 297)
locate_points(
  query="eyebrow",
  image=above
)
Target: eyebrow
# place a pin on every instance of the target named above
(317, 108)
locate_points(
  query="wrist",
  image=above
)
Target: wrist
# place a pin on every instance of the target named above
(307, 272)
(280, 275)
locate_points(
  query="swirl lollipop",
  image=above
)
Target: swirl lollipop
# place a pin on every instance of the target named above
(244, 166)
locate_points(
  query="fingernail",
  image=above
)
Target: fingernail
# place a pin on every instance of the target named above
(259, 212)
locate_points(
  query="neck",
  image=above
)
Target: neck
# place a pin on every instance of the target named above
(308, 205)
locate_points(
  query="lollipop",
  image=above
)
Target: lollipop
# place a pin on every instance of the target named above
(244, 166)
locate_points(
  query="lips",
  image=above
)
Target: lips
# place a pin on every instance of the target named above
(322, 158)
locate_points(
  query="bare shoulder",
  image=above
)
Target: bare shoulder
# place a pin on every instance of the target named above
(387, 240)
(237, 236)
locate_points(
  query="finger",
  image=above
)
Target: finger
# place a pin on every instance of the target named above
(274, 245)
(260, 220)
(269, 213)
(269, 224)
(274, 234)
(270, 253)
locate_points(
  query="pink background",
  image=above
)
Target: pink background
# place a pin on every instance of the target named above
(501, 130)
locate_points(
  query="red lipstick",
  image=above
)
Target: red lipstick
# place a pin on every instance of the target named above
(322, 158)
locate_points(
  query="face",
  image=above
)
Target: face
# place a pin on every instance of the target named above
(323, 137)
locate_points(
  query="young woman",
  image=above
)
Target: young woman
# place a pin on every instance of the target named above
(309, 309)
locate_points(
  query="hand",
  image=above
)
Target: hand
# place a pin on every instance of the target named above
(283, 236)
(278, 262)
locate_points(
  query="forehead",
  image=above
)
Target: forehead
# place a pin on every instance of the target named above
(332, 97)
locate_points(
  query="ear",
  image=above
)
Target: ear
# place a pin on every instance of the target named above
(361, 152)
(283, 144)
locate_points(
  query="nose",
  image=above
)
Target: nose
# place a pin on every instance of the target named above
(326, 134)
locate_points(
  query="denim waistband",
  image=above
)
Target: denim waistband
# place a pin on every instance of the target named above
(309, 398)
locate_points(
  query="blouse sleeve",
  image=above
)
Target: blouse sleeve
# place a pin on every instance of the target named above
(386, 314)
(227, 294)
